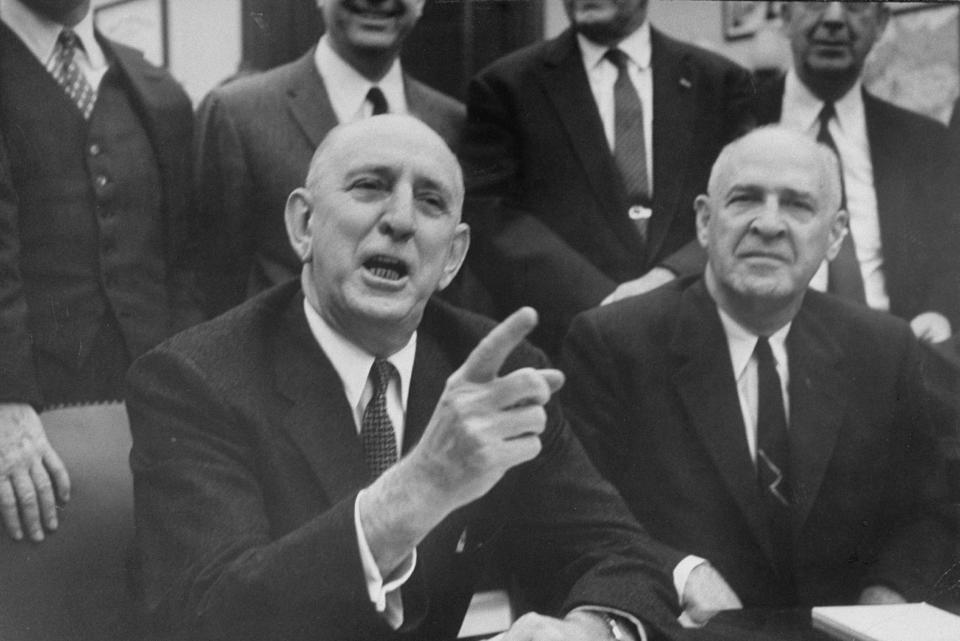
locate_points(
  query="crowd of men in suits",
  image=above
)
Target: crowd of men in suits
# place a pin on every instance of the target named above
(747, 287)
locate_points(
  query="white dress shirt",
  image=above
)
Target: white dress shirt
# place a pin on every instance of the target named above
(347, 88)
(353, 364)
(800, 112)
(741, 344)
(40, 34)
(602, 75)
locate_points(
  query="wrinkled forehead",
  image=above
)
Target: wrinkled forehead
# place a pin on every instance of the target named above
(773, 157)
(401, 146)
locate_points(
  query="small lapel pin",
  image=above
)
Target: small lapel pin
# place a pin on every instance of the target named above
(685, 83)
(462, 542)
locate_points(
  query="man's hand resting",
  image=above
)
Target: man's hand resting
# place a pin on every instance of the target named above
(483, 425)
(651, 280)
(706, 593)
(32, 476)
(578, 625)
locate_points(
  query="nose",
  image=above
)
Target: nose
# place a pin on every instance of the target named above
(768, 222)
(398, 220)
(833, 15)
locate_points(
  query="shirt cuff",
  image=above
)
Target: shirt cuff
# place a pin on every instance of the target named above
(682, 572)
(641, 634)
(384, 594)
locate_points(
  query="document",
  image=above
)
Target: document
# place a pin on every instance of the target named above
(887, 622)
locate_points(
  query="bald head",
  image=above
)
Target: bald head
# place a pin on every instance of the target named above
(347, 139)
(776, 140)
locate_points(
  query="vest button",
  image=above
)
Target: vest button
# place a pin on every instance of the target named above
(101, 181)
(94, 149)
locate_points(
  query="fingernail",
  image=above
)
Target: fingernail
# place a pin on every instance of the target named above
(18, 535)
(37, 535)
(53, 523)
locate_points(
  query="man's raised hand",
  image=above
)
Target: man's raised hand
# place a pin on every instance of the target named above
(485, 424)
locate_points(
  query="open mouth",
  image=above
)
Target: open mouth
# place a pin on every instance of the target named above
(374, 13)
(386, 267)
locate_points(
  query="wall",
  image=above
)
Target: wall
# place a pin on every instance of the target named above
(204, 43)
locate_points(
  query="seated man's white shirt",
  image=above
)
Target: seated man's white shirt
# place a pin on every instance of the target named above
(347, 88)
(352, 365)
(801, 112)
(40, 35)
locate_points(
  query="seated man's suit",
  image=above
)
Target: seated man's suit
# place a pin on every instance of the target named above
(247, 466)
(255, 138)
(545, 199)
(652, 394)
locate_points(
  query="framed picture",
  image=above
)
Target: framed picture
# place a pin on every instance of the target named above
(744, 19)
(141, 24)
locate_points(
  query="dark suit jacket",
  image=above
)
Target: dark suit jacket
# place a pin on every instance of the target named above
(255, 138)
(917, 203)
(247, 465)
(545, 199)
(650, 391)
(164, 111)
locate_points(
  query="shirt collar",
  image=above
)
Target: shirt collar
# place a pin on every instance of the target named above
(40, 34)
(636, 46)
(802, 108)
(347, 88)
(352, 363)
(742, 342)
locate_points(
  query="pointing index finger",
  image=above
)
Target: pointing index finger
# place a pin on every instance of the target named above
(488, 356)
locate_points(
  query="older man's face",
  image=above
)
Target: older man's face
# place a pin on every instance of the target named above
(369, 26)
(771, 218)
(385, 230)
(831, 40)
(606, 21)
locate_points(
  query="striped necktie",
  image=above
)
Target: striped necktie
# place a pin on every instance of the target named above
(64, 69)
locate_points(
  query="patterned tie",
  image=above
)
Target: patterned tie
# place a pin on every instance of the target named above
(377, 100)
(629, 150)
(843, 272)
(63, 67)
(376, 433)
(773, 452)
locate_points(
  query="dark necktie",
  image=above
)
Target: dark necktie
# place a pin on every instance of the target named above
(629, 151)
(64, 69)
(376, 433)
(843, 272)
(773, 452)
(377, 100)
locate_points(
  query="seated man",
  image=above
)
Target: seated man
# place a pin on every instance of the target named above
(269, 503)
(780, 434)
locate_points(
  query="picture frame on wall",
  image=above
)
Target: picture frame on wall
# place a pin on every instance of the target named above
(141, 24)
(744, 19)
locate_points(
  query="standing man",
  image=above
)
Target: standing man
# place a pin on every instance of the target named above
(902, 203)
(583, 155)
(774, 433)
(94, 204)
(257, 134)
(340, 458)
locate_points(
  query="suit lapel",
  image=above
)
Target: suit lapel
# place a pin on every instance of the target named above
(308, 101)
(565, 82)
(431, 367)
(674, 111)
(319, 420)
(770, 99)
(816, 407)
(709, 394)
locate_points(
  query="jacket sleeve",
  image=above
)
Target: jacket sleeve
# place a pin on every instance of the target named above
(18, 381)
(213, 567)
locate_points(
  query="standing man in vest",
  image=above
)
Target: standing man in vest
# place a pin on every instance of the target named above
(903, 256)
(257, 135)
(94, 198)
